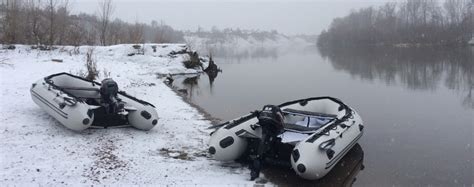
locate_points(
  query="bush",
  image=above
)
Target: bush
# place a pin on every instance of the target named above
(91, 65)
(193, 61)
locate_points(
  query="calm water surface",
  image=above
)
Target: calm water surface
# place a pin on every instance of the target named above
(417, 105)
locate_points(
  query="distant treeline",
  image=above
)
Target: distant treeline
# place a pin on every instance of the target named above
(217, 35)
(408, 23)
(49, 22)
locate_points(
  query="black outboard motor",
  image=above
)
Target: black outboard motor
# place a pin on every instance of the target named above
(270, 120)
(271, 117)
(108, 96)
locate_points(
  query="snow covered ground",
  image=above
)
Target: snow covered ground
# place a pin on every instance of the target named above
(35, 149)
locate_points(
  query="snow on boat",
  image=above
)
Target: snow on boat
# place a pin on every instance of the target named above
(321, 129)
(79, 103)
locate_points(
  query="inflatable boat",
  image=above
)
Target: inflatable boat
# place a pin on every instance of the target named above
(343, 174)
(79, 103)
(321, 131)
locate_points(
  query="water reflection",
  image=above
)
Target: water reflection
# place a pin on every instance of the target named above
(255, 51)
(245, 53)
(343, 174)
(212, 76)
(190, 84)
(413, 68)
(191, 81)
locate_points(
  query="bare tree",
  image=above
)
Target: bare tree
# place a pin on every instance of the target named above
(411, 22)
(48, 22)
(3, 9)
(51, 11)
(33, 22)
(117, 34)
(77, 34)
(10, 22)
(160, 35)
(57, 15)
(91, 37)
(106, 9)
(136, 33)
(455, 10)
(62, 22)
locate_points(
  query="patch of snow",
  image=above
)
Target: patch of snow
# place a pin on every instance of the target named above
(35, 149)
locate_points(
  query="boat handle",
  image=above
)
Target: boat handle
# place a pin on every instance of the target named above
(328, 144)
(63, 101)
(254, 126)
(70, 101)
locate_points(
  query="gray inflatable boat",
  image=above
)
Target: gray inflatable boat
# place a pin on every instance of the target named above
(319, 130)
(79, 103)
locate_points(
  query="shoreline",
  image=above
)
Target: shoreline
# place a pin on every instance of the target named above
(202, 111)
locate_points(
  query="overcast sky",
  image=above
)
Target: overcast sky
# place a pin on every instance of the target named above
(289, 17)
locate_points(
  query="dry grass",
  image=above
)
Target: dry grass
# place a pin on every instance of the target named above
(91, 65)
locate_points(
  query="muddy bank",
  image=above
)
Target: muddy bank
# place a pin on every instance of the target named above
(204, 113)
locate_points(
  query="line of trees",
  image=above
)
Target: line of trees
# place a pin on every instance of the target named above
(222, 35)
(411, 22)
(50, 22)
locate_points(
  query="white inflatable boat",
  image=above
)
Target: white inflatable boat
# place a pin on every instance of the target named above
(79, 103)
(322, 130)
(343, 174)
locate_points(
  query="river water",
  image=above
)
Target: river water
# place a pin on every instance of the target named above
(417, 105)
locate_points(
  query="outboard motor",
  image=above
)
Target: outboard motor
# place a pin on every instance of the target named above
(271, 117)
(108, 96)
(270, 120)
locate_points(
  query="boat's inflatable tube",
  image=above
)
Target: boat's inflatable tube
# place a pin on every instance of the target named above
(79, 103)
(322, 130)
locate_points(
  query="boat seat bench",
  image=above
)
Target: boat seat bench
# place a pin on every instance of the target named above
(307, 113)
(305, 129)
(80, 88)
(295, 127)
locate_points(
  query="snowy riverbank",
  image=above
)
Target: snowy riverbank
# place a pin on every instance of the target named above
(36, 149)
